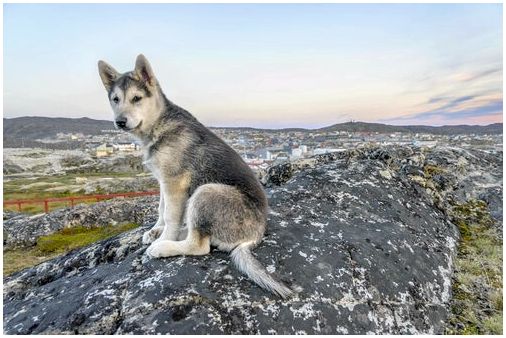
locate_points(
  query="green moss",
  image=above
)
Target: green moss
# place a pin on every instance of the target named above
(477, 287)
(470, 330)
(61, 242)
(76, 237)
(493, 325)
(431, 170)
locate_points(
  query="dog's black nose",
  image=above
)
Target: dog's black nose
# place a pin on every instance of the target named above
(121, 122)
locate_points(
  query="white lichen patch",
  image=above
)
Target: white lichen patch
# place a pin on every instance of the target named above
(348, 301)
(392, 245)
(305, 311)
(319, 225)
(18, 313)
(406, 245)
(106, 293)
(341, 330)
(274, 213)
(155, 279)
(447, 283)
(385, 174)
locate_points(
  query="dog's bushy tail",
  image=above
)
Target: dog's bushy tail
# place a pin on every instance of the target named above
(245, 262)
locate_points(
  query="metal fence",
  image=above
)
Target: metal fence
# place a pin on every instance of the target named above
(73, 199)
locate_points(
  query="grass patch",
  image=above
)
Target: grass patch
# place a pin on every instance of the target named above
(50, 246)
(13, 186)
(477, 286)
(19, 259)
(494, 324)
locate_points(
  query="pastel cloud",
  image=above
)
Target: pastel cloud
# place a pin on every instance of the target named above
(480, 112)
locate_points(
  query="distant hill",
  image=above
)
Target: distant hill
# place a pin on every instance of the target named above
(495, 128)
(35, 127)
(23, 131)
(29, 129)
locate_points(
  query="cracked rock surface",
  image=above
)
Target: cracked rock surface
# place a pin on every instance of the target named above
(366, 242)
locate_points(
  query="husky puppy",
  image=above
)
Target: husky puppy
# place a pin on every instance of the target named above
(204, 183)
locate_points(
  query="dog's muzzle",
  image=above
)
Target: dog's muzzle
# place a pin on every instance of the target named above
(121, 123)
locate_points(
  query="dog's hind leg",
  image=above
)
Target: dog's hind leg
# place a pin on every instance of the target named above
(152, 234)
(196, 242)
(215, 212)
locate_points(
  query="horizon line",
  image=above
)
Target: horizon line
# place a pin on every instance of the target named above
(283, 128)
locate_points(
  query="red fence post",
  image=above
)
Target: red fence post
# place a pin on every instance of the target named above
(19, 206)
(46, 207)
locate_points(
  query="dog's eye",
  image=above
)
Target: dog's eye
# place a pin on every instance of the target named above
(115, 99)
(136, 98)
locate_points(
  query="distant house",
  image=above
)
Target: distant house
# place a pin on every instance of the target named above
(248, 156)
(296, 153)
(78, 136)
(275, 151)
(264, 154)
(282, 156)
(125, 146)
(105, 149)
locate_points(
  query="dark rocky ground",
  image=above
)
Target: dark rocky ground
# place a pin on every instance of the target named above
(367, 234)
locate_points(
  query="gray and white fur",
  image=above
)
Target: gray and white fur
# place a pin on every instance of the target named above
(204, 183)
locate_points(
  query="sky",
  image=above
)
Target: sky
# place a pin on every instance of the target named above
(263, 65)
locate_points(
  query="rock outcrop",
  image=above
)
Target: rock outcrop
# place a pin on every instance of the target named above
(365, 233)
(22, 230)
(11, 168)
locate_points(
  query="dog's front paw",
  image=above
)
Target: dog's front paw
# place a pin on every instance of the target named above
(159, 249)
(151, 235)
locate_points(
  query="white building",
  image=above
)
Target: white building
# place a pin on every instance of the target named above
(125, 146)
(264, 154)
(296, 153)
(103, 150)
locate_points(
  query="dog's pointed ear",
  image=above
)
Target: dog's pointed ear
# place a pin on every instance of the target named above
(144, 71)
(107, 74)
